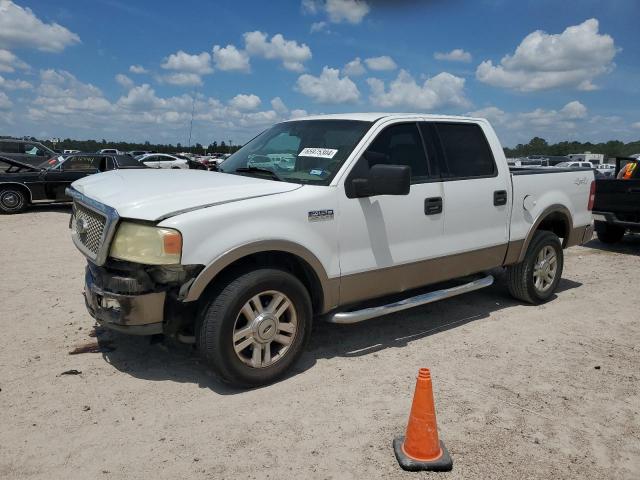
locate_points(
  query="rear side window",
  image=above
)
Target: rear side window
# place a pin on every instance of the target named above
(466, 151)
(10, 147)
(81, 163)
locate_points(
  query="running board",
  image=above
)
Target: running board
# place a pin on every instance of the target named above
(430, 297)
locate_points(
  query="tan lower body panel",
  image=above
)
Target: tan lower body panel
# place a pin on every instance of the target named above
(386, 281)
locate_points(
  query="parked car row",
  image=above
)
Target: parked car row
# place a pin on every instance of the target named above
(22, 184)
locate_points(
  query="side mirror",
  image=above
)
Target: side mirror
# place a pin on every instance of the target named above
(383, 180)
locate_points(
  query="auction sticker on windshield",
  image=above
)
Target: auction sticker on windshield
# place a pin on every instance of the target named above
(318, 152)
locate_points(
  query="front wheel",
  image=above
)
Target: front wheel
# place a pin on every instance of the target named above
(255, 327)
(536, 278)
(12, 200)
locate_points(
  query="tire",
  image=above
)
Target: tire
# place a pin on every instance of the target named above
(230, 331)
(12, 200)
(608, 233)
(523, 278)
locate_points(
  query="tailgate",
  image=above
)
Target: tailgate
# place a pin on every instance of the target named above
(617, 196)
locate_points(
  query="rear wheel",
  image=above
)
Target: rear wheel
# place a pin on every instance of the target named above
(608, 233)
(12, 200)
(255, 327)
(536, 278)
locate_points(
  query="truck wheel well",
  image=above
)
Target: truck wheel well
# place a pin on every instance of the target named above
(274, 259)
(558, 223)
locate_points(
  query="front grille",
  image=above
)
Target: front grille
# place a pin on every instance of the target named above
(88, 227)
(92, 226)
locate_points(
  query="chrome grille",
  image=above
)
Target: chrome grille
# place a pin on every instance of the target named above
(92, 226)
(88, 227)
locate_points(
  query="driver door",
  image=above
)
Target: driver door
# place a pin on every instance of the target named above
(387, 242)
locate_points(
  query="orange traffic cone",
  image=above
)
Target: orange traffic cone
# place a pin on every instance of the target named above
(420, 448)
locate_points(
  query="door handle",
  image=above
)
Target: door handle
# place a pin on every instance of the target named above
(433, 205)
(500, 197)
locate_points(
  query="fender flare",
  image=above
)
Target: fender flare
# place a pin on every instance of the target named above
(330, 287)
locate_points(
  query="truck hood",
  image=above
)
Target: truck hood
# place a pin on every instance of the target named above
(154, 195)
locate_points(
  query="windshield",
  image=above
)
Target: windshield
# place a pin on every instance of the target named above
(303, 151)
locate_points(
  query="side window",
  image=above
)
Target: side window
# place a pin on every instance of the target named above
(400, 145)
(10, 147)
(162, 158)
(32, 149)
(466, 151)
(81, 163)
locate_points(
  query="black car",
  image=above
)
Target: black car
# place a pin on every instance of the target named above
(616, 207)
(25, 151)
(22, 184)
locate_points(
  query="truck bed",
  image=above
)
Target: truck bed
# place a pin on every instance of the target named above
(619, 197)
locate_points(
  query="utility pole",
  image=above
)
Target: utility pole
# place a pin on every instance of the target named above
(193, 109)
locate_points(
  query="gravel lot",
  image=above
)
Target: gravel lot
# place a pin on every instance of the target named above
(521, 392)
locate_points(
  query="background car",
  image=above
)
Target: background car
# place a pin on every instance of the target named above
(25, 151)
(574, 165)
(164, 160)
(22, 184)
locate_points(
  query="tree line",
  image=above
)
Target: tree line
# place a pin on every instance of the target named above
(536, 146)
(95, 145)
(539, 146)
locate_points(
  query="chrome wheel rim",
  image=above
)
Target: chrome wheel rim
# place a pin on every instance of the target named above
(265, 329)
(545, 269)
(10, 199)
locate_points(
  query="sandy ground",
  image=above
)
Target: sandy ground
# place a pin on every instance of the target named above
(521, 391)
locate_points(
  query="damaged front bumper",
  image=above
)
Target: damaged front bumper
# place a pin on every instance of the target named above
(131, 300)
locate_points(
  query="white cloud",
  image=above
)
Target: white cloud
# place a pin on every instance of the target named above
(310, 6)
(540, 121)
(5, 102)
(199, 64)
(574, 110)
(19, 27)
(9, 62)
(292, 54)
(245, 102)
(636, 125)
(230, 58)
(318, 27)
(328, 87)
(351, 11)
(124, 81)
(298, 113)
(278, 105)
(443, 89)
(14, 84)
(354, 68)
(381, 63)
(455, 55)
(181, 79)
(138, 69)
(338, 11)
(543, 61)
(66, 106)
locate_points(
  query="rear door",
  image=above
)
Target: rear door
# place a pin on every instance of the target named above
(476, 189)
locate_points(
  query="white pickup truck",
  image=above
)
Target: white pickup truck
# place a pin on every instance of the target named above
(341, 217)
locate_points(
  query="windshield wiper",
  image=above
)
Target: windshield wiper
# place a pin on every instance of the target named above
(273, 174)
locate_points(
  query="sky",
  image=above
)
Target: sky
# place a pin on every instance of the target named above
(136, 71)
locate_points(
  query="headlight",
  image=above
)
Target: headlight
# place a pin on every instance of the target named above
(146, 244)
